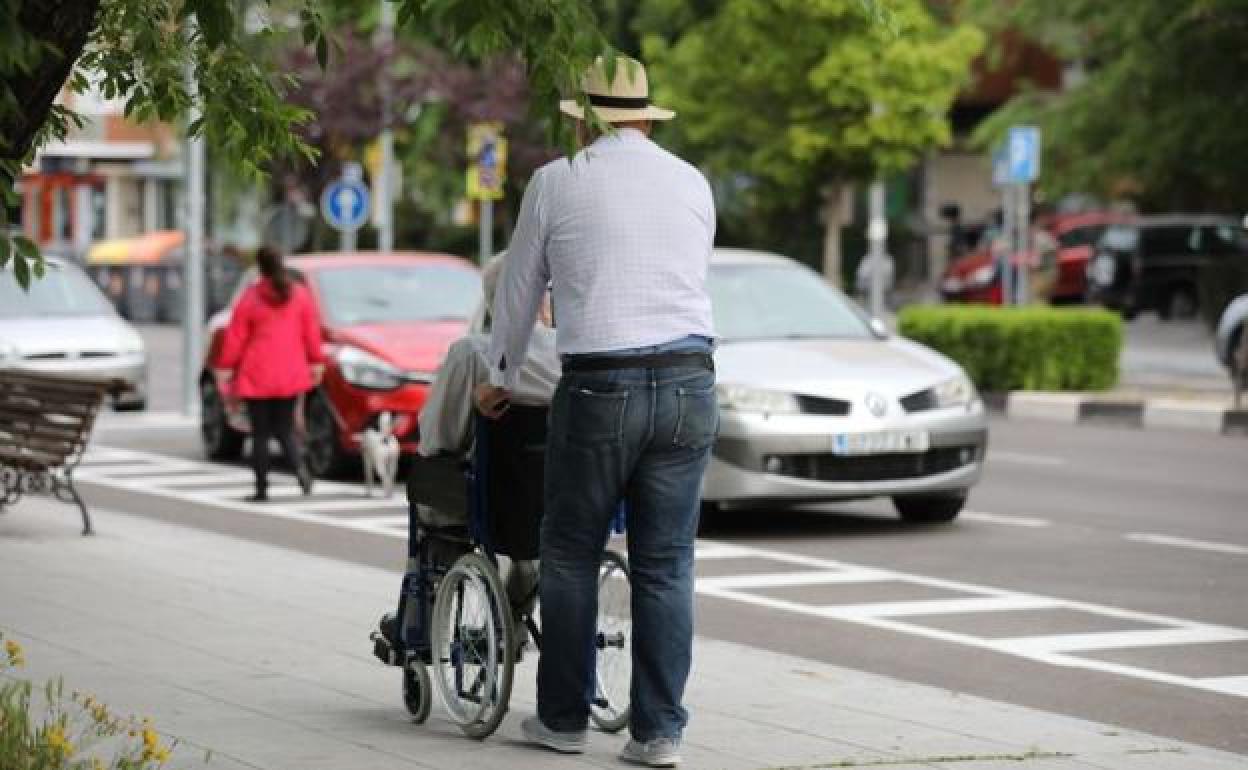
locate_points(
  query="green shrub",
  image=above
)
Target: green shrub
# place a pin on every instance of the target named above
(1024, 348)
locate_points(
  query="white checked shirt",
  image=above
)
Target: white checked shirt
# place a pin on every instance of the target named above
(624, 230)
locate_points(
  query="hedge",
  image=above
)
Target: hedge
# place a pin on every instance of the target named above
(1022, 348)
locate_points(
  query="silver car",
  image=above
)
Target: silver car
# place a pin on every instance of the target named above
(819, 402)
(64, 325)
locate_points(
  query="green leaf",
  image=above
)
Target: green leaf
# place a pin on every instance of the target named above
(21, 271)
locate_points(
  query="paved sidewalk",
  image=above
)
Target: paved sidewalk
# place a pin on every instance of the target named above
(261, 654)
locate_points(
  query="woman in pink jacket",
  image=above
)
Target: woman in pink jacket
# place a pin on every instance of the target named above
(272, 354)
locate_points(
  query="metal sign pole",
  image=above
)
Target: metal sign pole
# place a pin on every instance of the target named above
(1024, 241)
(1006, 268)
(486, 231)
(193, 265)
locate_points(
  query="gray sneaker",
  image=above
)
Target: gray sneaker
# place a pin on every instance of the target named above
(660, 752)
(573, 742)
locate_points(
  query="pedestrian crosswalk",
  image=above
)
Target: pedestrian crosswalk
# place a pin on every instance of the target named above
(1048, 630)
(1092, 636)
(333, 503)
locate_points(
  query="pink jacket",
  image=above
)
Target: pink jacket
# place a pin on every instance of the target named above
(272, 345)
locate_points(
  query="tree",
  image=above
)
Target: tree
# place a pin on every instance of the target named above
(1159, 114)
(140, 50)
(791, 100)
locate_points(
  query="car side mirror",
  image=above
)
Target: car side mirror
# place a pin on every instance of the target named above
(879, 328)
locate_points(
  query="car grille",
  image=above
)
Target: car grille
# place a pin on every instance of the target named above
(824, 406)
(881, 467)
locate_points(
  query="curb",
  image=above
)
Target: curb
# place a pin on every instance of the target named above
(1162, 413)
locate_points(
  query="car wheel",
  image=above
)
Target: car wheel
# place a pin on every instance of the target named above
(221, 442)
(1179, 304)
(930, 509)
(322, 451)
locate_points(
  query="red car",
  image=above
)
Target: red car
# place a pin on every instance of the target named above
(1056, 278)
(388, 320)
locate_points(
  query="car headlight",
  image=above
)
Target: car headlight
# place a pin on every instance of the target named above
(365, 370)
(956, 392)
(745, 399)
(1102, 269)
(982, 276)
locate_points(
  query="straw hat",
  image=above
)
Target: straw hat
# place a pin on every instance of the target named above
(623, 99)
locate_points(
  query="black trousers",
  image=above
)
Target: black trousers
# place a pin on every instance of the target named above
(272, 418)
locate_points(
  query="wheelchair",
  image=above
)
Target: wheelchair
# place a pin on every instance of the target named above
(457, 628)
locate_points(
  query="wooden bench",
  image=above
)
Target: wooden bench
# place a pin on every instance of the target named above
(45, 423)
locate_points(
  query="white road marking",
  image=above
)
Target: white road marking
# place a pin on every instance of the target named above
(1049, 649)
(1230, 685)
(144, 420)
(941, 606)
(782, 579)
(1121, 640)
(1183, 542)
(704, 551)
(1013, 521)
(1023, 458)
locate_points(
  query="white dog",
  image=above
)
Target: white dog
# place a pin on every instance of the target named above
(379, 450)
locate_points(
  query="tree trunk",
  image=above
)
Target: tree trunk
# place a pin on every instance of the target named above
(64, 25)
(837, 199)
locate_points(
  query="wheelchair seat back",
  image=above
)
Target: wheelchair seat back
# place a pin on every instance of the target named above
(511, 470)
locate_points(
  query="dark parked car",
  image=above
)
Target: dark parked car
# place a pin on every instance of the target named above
(1154, 262)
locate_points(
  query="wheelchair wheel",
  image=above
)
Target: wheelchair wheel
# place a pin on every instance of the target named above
(417, 690)
(613, 649)
(473, 644)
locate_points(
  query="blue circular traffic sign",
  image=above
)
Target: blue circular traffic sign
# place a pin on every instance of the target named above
(344, 204)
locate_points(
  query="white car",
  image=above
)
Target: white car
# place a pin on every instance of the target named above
(819, 402)
(64, 325)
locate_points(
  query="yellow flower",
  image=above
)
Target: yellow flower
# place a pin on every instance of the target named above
(150, 739)
(56, 740)
(14, 652)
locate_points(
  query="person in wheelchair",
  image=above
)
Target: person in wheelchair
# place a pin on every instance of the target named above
(436, 488)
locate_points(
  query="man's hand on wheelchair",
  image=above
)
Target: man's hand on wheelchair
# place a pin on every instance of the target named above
(492, 401)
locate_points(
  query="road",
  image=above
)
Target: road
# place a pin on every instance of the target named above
(1098, 572)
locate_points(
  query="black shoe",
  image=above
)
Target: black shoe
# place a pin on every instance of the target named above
(258, 497)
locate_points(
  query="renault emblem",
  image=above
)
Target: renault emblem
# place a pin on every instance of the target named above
(877, 404)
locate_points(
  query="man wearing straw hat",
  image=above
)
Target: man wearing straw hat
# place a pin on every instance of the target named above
(623, 233)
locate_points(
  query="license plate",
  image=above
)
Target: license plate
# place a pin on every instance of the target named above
(880, 442)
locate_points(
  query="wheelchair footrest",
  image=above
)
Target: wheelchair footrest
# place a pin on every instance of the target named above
(384, 646)
(384, 652)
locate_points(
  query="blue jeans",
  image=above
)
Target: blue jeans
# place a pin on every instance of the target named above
(645, 436)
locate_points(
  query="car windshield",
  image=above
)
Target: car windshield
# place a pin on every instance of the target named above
(388, 293)
(755, 302)
(62, 292)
